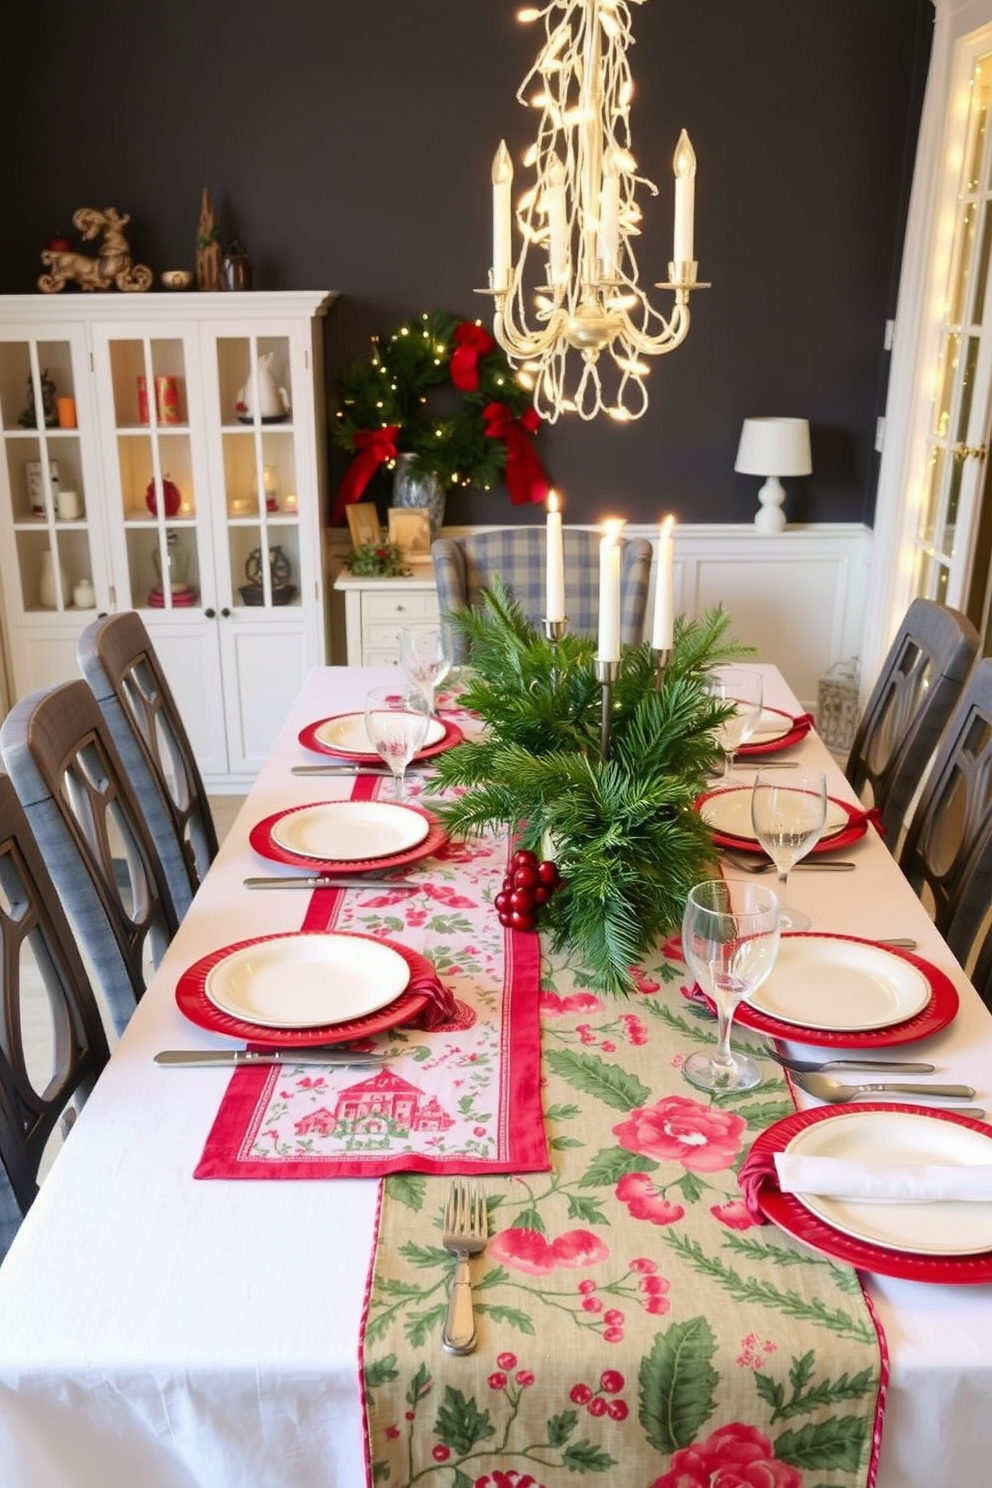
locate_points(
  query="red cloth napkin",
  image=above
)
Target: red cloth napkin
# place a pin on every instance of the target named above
(754, 1173)
(425, 981)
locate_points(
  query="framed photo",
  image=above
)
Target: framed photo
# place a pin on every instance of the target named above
(410, 530)
(363, 523)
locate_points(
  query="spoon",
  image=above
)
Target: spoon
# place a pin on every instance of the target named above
(832, 1090)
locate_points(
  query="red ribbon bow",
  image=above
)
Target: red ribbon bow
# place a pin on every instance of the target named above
(525, 477)
(373, 446)
(472, 342)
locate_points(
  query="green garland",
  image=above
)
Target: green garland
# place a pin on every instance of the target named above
(627, 841)
(394, 387)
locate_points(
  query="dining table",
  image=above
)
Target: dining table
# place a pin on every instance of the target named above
(192, 1305)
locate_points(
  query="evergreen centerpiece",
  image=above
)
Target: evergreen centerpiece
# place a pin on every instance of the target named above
(441, 391)
(626, 839)
(383, 559)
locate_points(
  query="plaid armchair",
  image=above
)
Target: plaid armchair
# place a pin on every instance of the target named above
(465, 565)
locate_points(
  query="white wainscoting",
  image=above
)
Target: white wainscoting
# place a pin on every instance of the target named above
(797, 596)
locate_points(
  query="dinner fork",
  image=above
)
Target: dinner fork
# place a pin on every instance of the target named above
(465, 1232)
(832, 1090)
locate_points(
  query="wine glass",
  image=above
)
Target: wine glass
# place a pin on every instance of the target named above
(396, 720)
(743, 690)
(426, 656)
(730, 940)
(788, 814)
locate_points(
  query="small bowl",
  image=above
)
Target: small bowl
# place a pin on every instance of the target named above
(177, 278)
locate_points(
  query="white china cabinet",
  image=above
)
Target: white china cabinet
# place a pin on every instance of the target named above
(165, 453)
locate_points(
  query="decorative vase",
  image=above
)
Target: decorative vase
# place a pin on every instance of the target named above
(47, 597)
(411, 489)
(177, 560)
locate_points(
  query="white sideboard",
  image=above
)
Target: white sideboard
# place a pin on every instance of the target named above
(798, 597)
(377, 609)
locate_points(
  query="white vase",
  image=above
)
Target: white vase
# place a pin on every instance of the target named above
(47, 596)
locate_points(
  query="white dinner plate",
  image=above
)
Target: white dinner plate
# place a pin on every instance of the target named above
(840, 985)
(945, 1227)
(307, 981)
(770, 725)
(347, 734)
(346, 831)
(729, 811)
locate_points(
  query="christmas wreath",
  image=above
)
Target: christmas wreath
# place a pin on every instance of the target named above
(386, 410)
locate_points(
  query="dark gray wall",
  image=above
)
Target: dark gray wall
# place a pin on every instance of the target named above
(349, 147)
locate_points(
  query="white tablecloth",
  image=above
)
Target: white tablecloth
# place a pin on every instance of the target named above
(158, 1332)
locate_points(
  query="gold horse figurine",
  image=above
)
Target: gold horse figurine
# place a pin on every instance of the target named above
(113, 266)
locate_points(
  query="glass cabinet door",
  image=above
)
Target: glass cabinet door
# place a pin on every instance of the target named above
(259, 504)
(161, 490)
(50, 567)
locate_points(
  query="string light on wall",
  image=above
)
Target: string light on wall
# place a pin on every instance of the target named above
(589, 319)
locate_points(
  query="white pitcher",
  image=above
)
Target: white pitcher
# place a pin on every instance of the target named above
(272, 401)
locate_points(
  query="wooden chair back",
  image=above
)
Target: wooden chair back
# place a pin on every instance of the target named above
(118, 660)
(86, 819)
(42, 970)
(916, 691)
(947, 855)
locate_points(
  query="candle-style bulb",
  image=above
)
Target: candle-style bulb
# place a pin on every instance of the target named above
(503, 165)
(684, 159)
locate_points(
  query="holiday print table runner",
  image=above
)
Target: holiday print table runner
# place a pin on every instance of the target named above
(460, 1097)
(634, 1325)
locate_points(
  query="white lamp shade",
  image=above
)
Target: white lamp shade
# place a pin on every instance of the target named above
(774, 446)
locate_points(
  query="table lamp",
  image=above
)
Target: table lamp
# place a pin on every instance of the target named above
(773, 447)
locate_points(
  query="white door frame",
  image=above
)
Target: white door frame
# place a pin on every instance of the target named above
(922, 285)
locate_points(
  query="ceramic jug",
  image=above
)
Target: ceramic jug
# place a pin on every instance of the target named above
(272, 402)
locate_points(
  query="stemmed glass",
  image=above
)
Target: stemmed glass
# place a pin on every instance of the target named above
(788, 814)
(396, 721)
(730, 941)
(426, 656)
(744, 690)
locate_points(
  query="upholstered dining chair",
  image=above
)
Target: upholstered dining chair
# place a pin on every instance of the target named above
(86, 819)
(42, 1086)
(918, 685)
(118, 660)
(947, 854)
(463, 566)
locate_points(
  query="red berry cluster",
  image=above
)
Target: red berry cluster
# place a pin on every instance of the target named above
(529, 884)
(610, 1383)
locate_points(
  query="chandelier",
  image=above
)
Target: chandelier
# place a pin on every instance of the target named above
(580, 216)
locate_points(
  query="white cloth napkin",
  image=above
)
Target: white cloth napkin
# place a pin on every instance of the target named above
(845, 1178)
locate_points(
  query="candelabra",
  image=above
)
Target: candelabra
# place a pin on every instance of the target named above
(606, 673)
(662, 659)
(582, 211)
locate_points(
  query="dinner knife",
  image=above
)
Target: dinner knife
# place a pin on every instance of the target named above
(321, 881)
(313, 1055)
(348, 770)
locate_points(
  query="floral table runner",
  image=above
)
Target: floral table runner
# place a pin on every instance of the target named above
(462, 1097)
(633, 1323)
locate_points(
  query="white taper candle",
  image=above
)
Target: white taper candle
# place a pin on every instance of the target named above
(662, 632)
(555, 593)
(609, 591)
